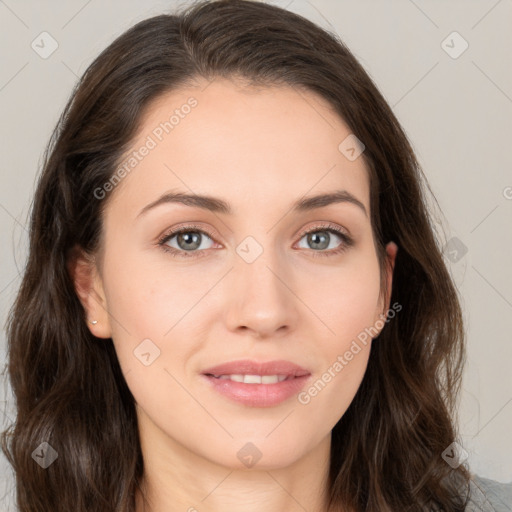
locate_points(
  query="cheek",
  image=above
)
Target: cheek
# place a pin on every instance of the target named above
(347, 305)
(148, 298)
(154, 301)
(344, 299)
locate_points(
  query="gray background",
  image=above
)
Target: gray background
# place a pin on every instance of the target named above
(456, 109)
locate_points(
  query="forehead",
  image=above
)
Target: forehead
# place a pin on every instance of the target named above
(245, 143)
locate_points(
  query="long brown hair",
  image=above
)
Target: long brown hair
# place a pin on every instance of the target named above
(68, 385)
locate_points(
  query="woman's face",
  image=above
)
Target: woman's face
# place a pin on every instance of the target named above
(247, 283)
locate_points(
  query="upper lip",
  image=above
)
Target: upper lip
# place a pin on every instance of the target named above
(248, 367)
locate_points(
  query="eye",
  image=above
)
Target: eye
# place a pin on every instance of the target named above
(188, 240)
(320, 238)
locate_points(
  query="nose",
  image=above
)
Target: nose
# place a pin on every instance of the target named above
(260, 298)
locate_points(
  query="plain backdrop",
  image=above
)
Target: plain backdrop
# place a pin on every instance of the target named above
(444, 67)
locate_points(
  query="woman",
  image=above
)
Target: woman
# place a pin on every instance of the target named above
(234, 298)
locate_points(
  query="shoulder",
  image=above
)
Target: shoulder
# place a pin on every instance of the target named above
(489, 495)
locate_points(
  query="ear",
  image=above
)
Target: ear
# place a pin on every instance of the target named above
(88, 285)
(391, 251)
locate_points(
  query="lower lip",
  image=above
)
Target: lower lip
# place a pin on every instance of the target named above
(258, 395)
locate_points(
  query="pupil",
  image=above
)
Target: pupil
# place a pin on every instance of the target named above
(315, 240)
(189, 238)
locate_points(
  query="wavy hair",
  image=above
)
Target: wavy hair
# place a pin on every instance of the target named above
(68, 386)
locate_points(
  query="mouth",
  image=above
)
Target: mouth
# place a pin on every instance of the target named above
(257, 384)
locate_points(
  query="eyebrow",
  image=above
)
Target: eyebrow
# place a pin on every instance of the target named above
(217, 205)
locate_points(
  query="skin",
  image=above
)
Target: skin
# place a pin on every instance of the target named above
(260, 150)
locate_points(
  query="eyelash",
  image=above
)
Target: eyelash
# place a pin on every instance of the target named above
(331, 228)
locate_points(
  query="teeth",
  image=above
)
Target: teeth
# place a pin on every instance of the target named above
(253, 379)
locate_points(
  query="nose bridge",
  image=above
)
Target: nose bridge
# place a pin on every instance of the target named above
(261, 298)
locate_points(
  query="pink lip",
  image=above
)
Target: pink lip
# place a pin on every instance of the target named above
(248, 367)
(258, 395)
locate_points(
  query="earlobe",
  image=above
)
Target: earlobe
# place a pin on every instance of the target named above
(89, 289)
